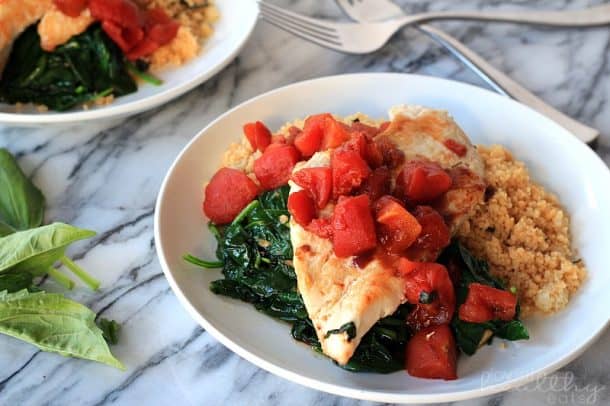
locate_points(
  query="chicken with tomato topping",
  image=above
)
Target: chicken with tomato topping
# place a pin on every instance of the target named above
(397, 196)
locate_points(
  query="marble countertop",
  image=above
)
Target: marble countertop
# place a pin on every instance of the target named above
(106, 175)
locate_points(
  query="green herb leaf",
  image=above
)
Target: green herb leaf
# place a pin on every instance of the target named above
(347, 328)
(56, 324)
(15, 281)
(38, 249)
(110, 330)
(21, 203)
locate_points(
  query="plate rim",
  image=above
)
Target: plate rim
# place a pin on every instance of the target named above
(136, 106)
(363, 394)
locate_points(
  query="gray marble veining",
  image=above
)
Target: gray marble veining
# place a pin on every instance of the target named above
(106, 176)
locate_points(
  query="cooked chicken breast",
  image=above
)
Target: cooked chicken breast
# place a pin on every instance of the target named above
(335, 290)
(56, 28)
(420, 132)
(15, 17)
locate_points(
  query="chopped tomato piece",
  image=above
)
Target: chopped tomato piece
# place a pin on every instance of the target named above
(309, 141)
(429, 287)
(293, 133)
(434, 235)
(322, 227)
(357, 142)
(124, 13)
(392, 156)
(431, 353)
(349, 171)
(377, 184)
(335, 133)
(421, 182)
(143, 48)
(317, 181)
(384, 126)
(397, 228)
(369, 130)
(71, 8)
(301, 207)
(455, 147)
(160, 28)
(484, 303)
(373, 155)
(227, 194)
(125, 37)
(274, 167)
(353, 226)
(258, 135)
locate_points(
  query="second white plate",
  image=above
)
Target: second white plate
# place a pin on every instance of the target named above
(237, 20)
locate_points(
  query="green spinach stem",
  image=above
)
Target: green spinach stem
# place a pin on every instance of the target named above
(202, 263)
(143, 75)
(60, 278)
(244, 213)
(89, 280)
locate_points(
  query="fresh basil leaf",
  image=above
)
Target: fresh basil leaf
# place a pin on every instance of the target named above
(37, 249)
(55, 324)
(110, 330)
(21, 203)
(15, 281)
(468, 336)
(5, 229)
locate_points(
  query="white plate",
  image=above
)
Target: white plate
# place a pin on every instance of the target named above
(237, 20)
(554, 157)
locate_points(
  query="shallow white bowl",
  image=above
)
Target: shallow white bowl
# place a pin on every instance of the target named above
(555, 158)
(237, 20)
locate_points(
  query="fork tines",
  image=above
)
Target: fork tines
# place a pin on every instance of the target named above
(310, 29)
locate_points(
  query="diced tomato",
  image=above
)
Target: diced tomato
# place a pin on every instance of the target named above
(71, 8)
(431, 353)
(227, 194)
(258, 135)
(309, 141)
(277, 139)
(377, 184)
(293, 133)
(301, 207)
(434, 235)
(421, 182)
(455, 147)
(274, 167)
(373, 155)
(353, 226)
(369, 130)
(349, 171)
(317, 181)
(384, 126)
(484, 303)
(335, 133)
(160, 28)
(357, 142)
(124, 13)
(125, 38)
(397, 229)
(322, 227)
(392, 156)
(141, 49)
(429, 287)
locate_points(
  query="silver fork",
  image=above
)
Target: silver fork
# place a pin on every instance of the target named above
(361, 38)
(379, 10)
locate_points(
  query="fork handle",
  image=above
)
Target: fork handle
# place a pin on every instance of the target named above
(507, 86)
(589, 17)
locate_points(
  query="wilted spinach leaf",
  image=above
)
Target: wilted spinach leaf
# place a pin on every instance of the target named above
(469, 336)
(257, 256)
(88, 66)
